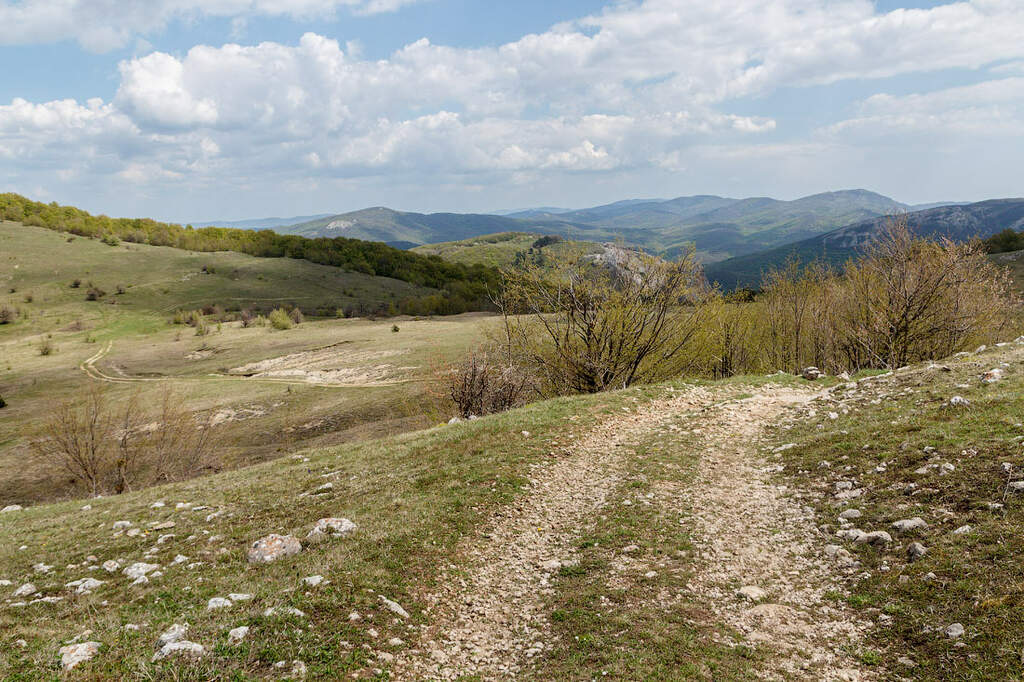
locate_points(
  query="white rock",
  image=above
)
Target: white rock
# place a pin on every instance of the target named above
(73, 654)
(111, 566)
(11, 508)
(1014, 487)
(238, 634)
(218, 603)
(850, 514)
(354, 616)
(876, 538)
(962, 530)
(393, 606)
(179, 559)
(273, 547)
(751, 593)
(335, 527)
(139, 569)
(157, 504)
(959, 401)
(395, 641)
(283, 610)
(298, 668)
(906, 525)
(175, 633)
(25, 590)
(239, 596)
(954, 631)
(992, 376)
(313, 580)
(182, 648)
(118, 525)
(131, 627)
(84, 586)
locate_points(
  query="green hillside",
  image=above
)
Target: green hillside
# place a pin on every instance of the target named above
(500, 250)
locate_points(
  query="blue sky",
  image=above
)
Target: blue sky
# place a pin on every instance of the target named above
(221, 109)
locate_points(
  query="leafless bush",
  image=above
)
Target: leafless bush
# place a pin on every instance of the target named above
(111, 449)
(479, 385)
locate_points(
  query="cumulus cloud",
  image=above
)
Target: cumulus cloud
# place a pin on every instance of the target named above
(649, 85)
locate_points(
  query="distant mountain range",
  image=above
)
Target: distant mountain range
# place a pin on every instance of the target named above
(959, 222)
(720, 227)
(735, 238)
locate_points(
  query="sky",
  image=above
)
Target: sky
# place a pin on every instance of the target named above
(190, 110)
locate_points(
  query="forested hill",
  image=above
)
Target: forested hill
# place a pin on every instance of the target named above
(461, 287)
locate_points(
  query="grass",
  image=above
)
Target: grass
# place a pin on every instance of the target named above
(904, 422)
(499, 250)
(146, 354)
(413, 496)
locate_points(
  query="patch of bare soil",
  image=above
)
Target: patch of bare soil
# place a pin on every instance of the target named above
(332, 366)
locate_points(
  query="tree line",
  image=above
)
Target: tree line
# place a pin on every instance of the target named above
(460, 288)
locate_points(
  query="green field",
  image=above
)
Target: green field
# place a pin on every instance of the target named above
(344, 379)
(500, 250)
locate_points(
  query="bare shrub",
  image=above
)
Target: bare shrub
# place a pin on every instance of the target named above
(246, 317)
(111, 449)
(480, 385)
(296, 315)
(590, 326)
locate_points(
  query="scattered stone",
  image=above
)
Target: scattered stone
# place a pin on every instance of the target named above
(84, 586)
(25, 590)
(157, 504)
(313, 580)
(1014, 487)
(354, 617)
(182, 648)
(236, 596)
(962, 530)
(238, 634)
(72, 655)
(298, 669)
(134, 532)
(394, 607)
(273, 547)
(175, 633)
(751, 593)
(218, 603)
(118, 525)
(395, 641)
(283, 610)
(907, 525)
(992, 376)
(385, 657)
(906, 662)
(878, 538)
(915, 551)
(811, 373)
(851, 514)
(41, 568)
(11, 508)
(139, 570)
(959, 401)
(954, 631)
(111, 566)
(131, 627)
(454, 420)
(335, 527)
(165, 525)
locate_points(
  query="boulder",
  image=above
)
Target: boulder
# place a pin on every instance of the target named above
(811, 373)
(175, 633)
(915, 551)
(877, 538)
(273, 547)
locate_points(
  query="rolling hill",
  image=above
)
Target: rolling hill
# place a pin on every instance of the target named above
(720, 227)
(958, 222)
(259, 223)
(500, 250)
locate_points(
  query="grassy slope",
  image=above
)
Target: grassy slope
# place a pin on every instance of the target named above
(978, 575)
(499, 250)
(159, 279)
(41, 263)
(413, 496)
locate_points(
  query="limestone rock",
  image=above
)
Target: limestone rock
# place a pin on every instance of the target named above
(175, 633)
(139, 569)
(907, 525)
(915, 551)
(73, 654)
(394, 607)
(751, 593)
(334, 527)
(182, 648)
(273, 547)
(238, 634)
(218, 603)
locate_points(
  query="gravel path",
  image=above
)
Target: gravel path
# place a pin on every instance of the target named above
(489, 620)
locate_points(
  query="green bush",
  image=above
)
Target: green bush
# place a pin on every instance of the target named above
(279, 319)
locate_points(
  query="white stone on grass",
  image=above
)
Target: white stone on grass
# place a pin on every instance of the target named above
(907, 525)
(751, 592)
(139, 569)
(218, 603)
(238, 634)
(25, 590)
(175, 633)
(334, 527)
(313, 580)
(393, 606)
(182, 648)
(73, 654)
(273, 547)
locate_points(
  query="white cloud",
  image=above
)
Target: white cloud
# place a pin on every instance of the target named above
(648, 85)
(101, 25)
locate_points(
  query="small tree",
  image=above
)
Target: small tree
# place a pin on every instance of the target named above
(279, 319)
(591, 325)
(479, 385)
